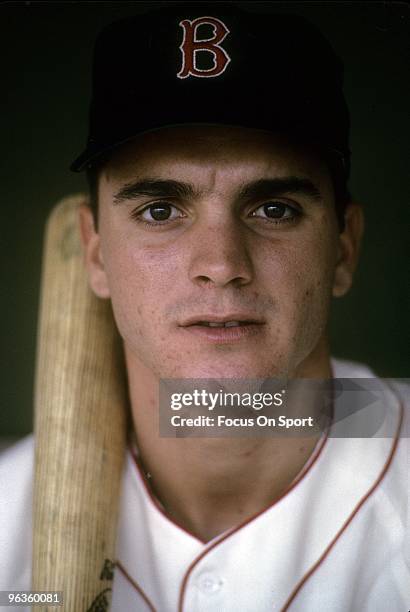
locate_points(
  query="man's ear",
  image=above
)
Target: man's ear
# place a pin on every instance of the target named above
(94, 262)
(349, 248)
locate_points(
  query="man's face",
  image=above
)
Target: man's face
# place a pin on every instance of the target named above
(217, 225)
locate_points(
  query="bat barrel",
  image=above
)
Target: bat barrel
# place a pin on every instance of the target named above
(80, 425)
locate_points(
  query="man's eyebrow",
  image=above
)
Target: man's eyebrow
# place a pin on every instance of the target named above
(262, 188)
(265, 188)
(156, 188)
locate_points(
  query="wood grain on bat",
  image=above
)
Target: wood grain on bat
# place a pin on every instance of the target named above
(80, 423)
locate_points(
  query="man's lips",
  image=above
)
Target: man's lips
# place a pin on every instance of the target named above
(229, 320)
(223, 329)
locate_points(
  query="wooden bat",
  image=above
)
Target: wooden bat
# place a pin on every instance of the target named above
(80, 426)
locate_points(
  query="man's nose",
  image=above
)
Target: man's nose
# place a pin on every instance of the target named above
(220, 255)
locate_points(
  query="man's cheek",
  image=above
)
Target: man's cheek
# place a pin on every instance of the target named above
(306, 294)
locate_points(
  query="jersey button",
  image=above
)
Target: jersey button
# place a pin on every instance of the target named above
(209, 583)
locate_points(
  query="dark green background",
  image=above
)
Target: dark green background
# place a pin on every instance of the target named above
(45, 52)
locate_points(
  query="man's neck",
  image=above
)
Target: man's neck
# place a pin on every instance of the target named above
(209, 485)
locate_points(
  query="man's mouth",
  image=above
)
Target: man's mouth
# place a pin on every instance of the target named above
(224, 324)
(218, 320)
(225, 329)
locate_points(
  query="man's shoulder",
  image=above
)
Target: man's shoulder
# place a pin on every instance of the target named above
(16, 473)
(394, 397)
(16, 469)
(351, 369)
(343, 368)
(20, 452)
(16, 490)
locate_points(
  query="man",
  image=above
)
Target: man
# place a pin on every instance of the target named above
(220, 228)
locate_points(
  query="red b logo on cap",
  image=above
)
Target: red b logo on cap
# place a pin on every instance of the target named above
(191, 46)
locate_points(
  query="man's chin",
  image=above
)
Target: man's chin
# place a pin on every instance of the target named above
(229, 371)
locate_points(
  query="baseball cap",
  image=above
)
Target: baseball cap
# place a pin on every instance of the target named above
(214, 63)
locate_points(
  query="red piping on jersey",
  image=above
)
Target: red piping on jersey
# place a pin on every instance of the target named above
(136, 586)
(314, 567)
(154, 499)
(310, 462)
(304, 471)
(306, 468)
(297, 480)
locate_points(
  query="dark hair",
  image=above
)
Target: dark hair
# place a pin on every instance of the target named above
(92, 174)
(337, 170)
(339, 175)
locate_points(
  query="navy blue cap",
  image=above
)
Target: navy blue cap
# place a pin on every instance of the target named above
(213, 63)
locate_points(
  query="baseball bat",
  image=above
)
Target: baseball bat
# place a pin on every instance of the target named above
(80, 426)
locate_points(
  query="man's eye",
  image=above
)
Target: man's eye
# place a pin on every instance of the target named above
(276, 210)
(161, 211)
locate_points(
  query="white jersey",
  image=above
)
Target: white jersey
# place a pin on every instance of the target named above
(338, 540)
